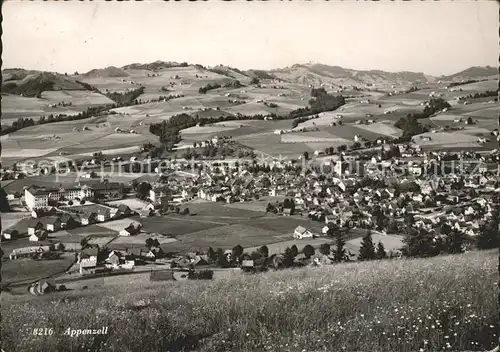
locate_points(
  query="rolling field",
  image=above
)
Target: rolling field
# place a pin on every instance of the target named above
(271, 144)
(398, 305)
(137, 241)
(28, 269)
(177, 225)
(15, 106)
(446, 139)
(68, 137)
(226, 237)
(382, 129)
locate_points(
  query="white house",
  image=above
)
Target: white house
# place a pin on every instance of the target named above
(301, 233)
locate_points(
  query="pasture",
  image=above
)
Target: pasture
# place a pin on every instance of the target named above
(137, 241)
(412, 304)
(29, 269)
(177, 225)
(445, 139)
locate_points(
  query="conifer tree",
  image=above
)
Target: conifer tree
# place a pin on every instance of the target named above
(340, 253)
(367, 250)
(381, 253)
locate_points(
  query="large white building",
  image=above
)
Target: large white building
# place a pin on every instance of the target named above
(39, 197)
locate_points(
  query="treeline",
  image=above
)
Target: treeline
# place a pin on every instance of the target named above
(321, 101)
(127, 98)
(487, 94)
(410, 127)
(168, 131)
(454, 84)
(205, 89)
(410, 124)
(88, 86)
(23, 122)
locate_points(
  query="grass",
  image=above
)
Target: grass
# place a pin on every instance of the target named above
(403, 305)
(28, 269)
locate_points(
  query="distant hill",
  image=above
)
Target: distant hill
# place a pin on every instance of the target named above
(155, 66)
(33, 83)
(110, 71)
(473, 72)
(230, 72)
(260, 74)
(318, 74)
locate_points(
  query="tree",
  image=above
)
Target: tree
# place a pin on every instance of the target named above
(185, 211)
(367, 250)
(289, 255)
(255, 81)
(324, 249)
(70, 202)
(308, 251)
(163, 205)
(237, 251)
(4, 202)
(143, 190)
(381, 253)
(212, 256)
(269, 208)
(264, 251)
(84, 243)
(306, 155)
(470, 121)
(295, 250)
(420, 244)
(489, 236)
(339, 254)
(455, 242)
(221, 258)
(342, 148)
(82, 202)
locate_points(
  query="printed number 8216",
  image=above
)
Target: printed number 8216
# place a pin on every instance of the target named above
(43, 331)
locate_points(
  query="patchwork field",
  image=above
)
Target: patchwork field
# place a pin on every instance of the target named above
(446, 139)
(15, 106)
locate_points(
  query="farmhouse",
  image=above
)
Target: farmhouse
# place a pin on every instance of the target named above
(38, 236)
(130, 230)
(10, 234)
(34, 226)
(88, 218)
(53, 223)
(301, 232)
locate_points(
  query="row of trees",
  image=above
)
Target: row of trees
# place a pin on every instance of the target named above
(205, 89)
(24, 122)
(126, 98)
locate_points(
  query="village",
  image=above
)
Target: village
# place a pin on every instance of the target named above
(388, 189)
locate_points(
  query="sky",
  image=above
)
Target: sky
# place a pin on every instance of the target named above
(436, 38)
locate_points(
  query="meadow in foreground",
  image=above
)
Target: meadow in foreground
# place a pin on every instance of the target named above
(444, 303)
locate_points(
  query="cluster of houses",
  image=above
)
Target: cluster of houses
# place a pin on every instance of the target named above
(47, 220)
(93, 260)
